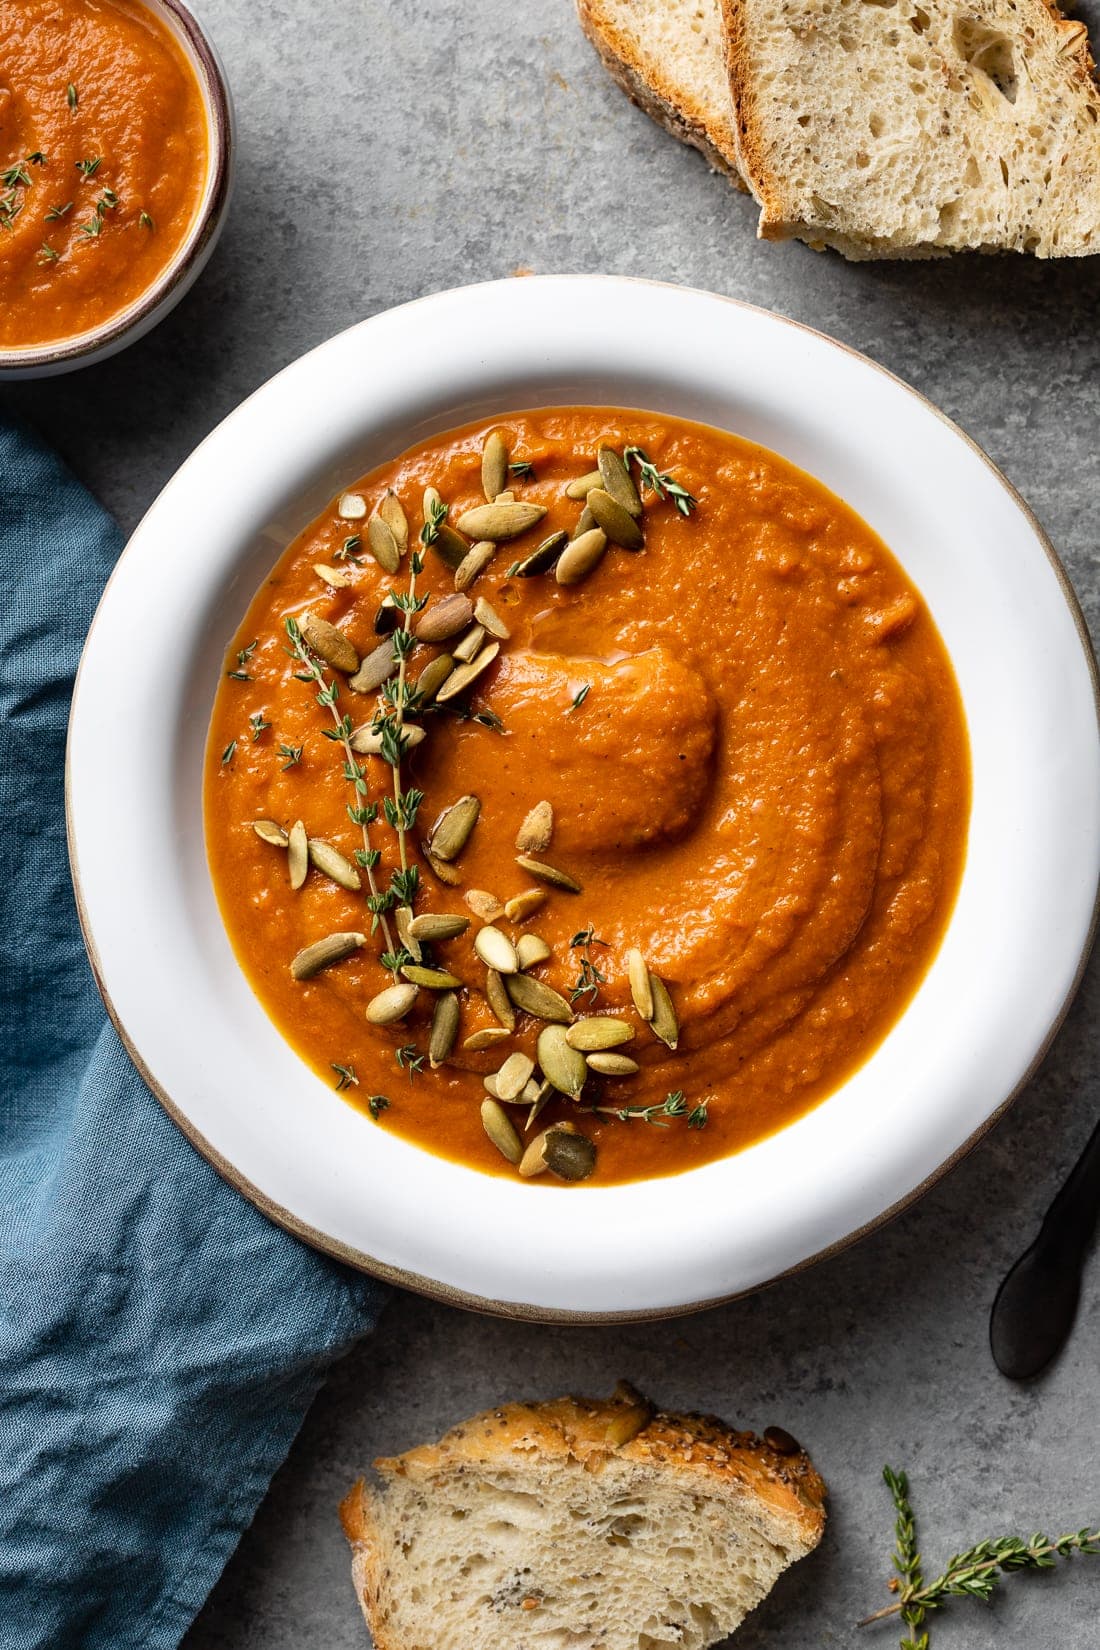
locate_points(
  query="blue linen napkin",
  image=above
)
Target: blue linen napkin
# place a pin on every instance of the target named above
(160, 1341)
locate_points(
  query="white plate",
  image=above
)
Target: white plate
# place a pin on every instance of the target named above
(989, 1004)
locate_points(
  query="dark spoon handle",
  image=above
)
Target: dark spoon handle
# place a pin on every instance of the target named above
(1071, 1219)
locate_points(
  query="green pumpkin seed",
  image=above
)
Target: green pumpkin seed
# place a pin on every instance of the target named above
(489, 619)
(498, 1127)
(433, 676)
(533, 836)
(367, 740)
(453, 827)
(383, 545)
(337, 578)
(561, 1064)
(533, 1161)
(433, 979)
(500, 521)
(664, 1023)
(329, 860)
(531, 949)
(465, 650)
(543, 559)
(330, 644)
(513, 1076)
(585, 523)
(392, 1004)
(323, 953)
(297, 854)
(465, 675)
(395, 519)
(548, 873)
(606, 1064)
(539, 1094)
(581, 557)
(387, 618)
(569, 1154)
(444, 1028)
(617, 523)
(494, 465)
(450, 875)
(432, 927)
(584, 484)
(640, 988)
(268, 831)
(525, 905)
(599, 1032)
(375, 669)
(474, 563)
(499, 999)
(488, 1037)
(351, 507)
(538, 999)
(444, 618)
(451, 548)
(403, 921)
(496, 950)
(484, 905)
(618, 482)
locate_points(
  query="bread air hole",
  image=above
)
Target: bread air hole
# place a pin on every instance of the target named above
(988, 52)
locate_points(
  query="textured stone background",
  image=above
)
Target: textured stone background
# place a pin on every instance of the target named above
(389, 150)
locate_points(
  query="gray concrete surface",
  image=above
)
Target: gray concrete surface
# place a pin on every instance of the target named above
(389, 150)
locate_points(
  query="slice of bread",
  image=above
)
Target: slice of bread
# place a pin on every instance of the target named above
(579, 1525)
(669, 56)
(894, 128)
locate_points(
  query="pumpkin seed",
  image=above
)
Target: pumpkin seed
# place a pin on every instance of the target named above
(538, 999)
(606, 1064)
(640, 988)
(268, 831)
(496, 950)
(533, 1162)
(618, 482)
(331, 644)
(483, 904)
(542, 559)
(525, 905)
(448, 874)
(433, 927)
(395, 519)
(533, 836)
(465, 649)
(488, 1037)
(489, 619)
(617, 523)
(433, 979)
(494, 465)
(664, 1023)
(531, 949)
(392, 1004)
(374, 670)
(323, 953)
(337, 578)
(499, 999)
(513, 1076)
(433, 676)
(329, 860)
(367, 740)
(584, 484)
(451, 548)
(599, 1032)
(383, 545)
(387, 618)
(561, 1064)
(581, 557)
(500, 521)
(297, 858)
(474, 563)
(444, 1028)
(497, 1126)
(351, 507)
(490, 1084)
(403, 920)
(531, 1091)
(539, 1094)
(624, 1427)
(444, 618)
(568, 1153)
(507, 497)
(548, 873)
(453, 827)
(462, 678)
(585, 523)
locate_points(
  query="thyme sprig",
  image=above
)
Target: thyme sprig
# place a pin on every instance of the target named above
(973, 1573)
(345, 1077)
(377, 1104)
(590, 978)
(398, 698)
(660, 1115)
(659, 481)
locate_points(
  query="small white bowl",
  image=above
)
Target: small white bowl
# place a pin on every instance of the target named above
(191, 257)
(990, 1002)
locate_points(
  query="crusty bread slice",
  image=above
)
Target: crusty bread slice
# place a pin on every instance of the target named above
(579, 1525)
(669, 56)
(894, 128)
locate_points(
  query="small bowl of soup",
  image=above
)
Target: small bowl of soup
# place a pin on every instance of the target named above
(116, 139)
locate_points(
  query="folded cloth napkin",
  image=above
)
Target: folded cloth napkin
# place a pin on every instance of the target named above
(160, 1341)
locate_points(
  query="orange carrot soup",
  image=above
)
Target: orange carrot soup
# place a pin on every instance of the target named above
(103, 160)
(586, 794)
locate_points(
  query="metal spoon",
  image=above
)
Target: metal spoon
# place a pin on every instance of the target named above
(1037, 1302)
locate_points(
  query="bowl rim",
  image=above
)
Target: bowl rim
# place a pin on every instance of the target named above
(31, 359)
(450, 1294)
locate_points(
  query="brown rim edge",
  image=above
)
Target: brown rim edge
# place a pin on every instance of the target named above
(215, 92)
(430, 1287)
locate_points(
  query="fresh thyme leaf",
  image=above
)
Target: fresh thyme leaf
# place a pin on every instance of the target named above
(88, 168)
(46, 253)
(292, 755)
(16, 175)
(71, 95)
(229, 752)
(349, 550)
(244, 654)
(377, 1104)
(437, 515)
(394, 961)
(258, 725)
(37, 159)
(58, 211)
(93, 227)
(699, 1118)
(146, 221)
(659, 481)
(523, 468)
(345, 1076)
(672, 1106)
(409, 1059)
(590, 978)
(579, 698)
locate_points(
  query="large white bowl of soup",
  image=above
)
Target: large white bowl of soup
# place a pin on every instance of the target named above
(609, 829)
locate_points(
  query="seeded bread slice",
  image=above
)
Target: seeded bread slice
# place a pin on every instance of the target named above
(899, 128)
(669, 58)
(579, 1525)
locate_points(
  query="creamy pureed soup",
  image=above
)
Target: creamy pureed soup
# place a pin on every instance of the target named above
(663, 814)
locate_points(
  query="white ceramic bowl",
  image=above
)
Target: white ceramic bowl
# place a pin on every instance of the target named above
(975, 1029)
(191, 257)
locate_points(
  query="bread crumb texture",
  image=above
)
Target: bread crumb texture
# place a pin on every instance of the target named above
(579, 1525)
